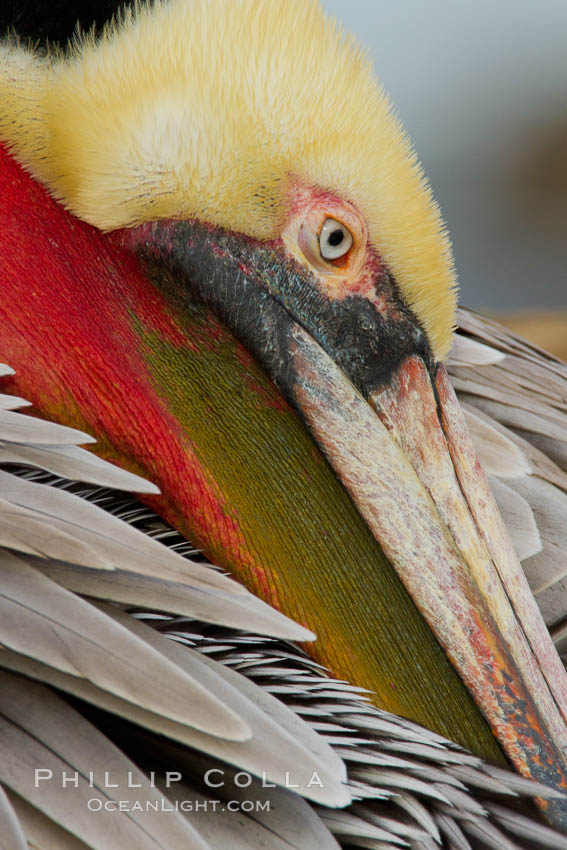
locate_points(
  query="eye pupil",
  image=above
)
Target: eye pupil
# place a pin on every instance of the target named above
(335, 240)
(336, 237)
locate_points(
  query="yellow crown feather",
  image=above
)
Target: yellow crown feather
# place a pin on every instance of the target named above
(205, 108)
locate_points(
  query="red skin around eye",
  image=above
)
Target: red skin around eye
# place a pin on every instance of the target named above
(360, 271)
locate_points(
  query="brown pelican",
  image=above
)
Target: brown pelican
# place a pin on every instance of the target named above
(237, 210)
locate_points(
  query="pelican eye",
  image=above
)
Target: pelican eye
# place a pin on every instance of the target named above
(335, 240)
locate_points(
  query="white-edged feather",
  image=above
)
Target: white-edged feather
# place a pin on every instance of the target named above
(469, 352)
(15, 428)
(41, 620)
(261, 755)
(75, 463)
(452, 832)
(12, 402)
(12, 836)
(237, 612)
(516, 409)
(299, 750)
(519, 519)
(539, 463)
(349, 825)
(287, 823)
(115, 544)
(42, 832)
(38, 730)
(525, 828)
(498, 454)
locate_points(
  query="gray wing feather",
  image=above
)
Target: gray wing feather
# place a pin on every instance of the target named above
(238, 612)
(13, 835)
(414, 788)
(25, 429)
(75, 463)
(115, 544)
(516, 407)
(41, 620)
(42, 832)
(38, 730)
(289, 823)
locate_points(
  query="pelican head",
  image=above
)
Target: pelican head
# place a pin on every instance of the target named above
(244, 160)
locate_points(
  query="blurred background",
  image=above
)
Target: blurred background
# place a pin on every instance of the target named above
(482, 89)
